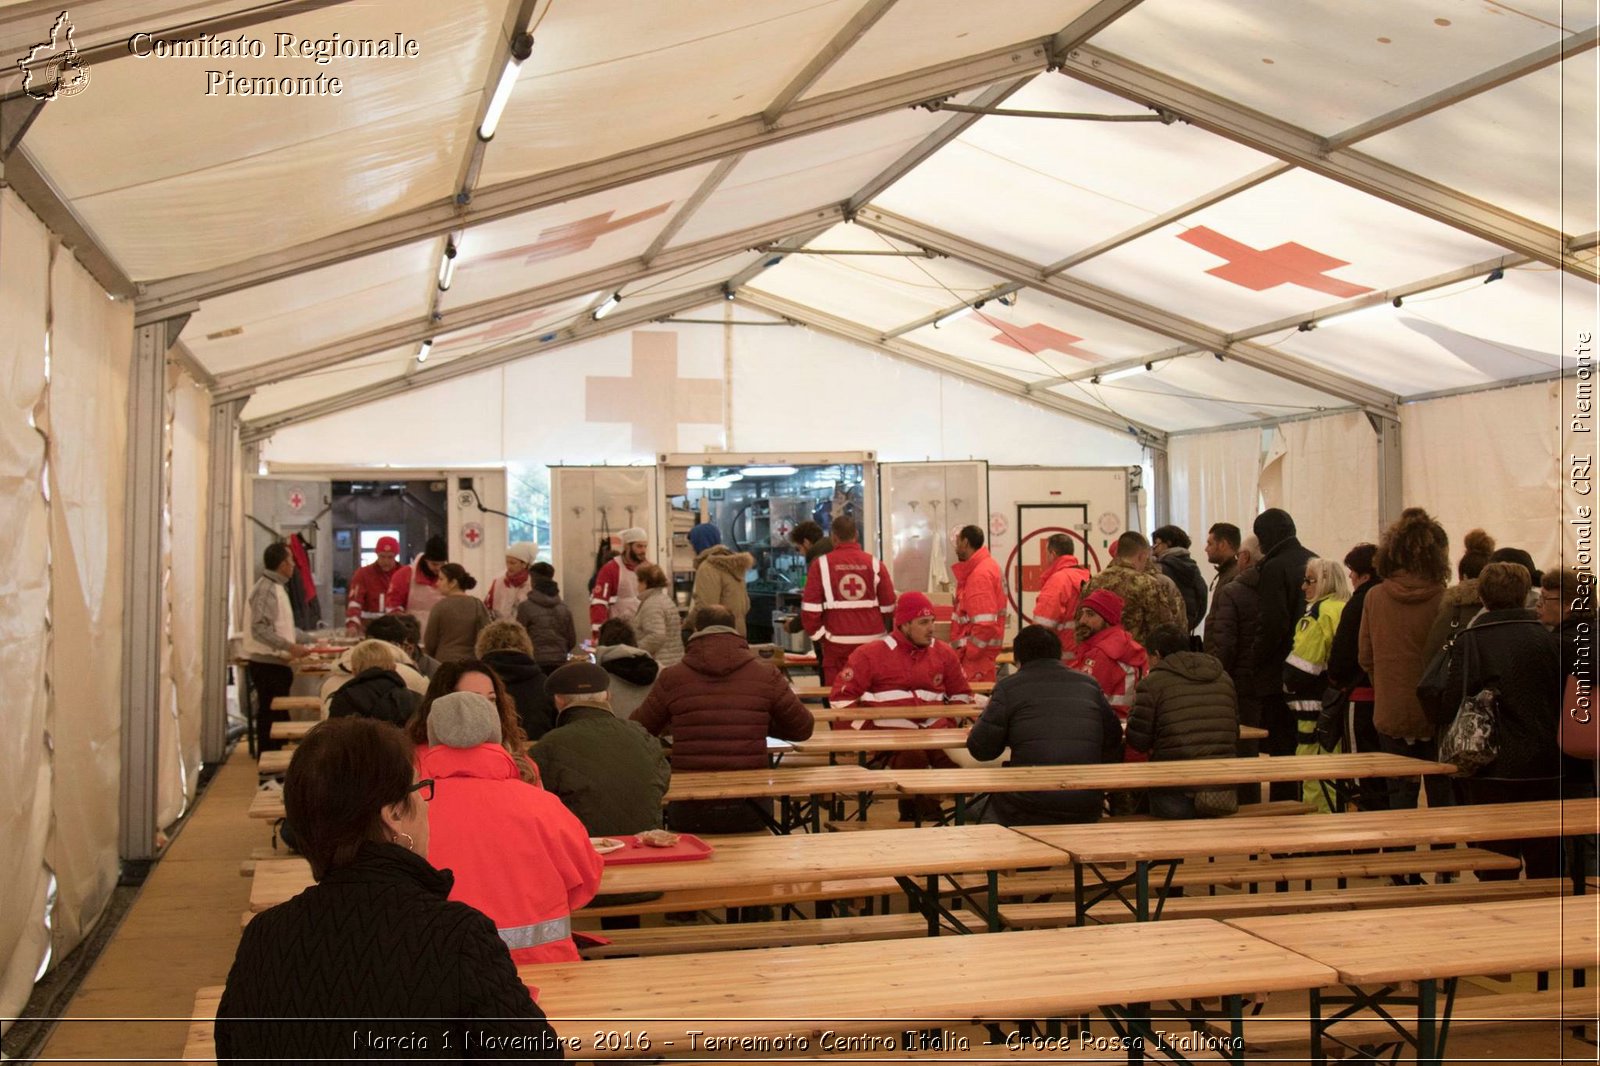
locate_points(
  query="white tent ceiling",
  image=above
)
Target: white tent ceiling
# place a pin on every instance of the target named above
(1314, 157)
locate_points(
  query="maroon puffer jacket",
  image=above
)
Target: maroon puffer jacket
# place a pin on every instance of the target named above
(720, 704)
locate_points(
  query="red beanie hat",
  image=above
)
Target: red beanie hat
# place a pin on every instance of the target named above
(387, 544)
(1106, 604)
(911, 606)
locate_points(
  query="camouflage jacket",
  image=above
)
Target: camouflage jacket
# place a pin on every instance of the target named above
(1147, 600)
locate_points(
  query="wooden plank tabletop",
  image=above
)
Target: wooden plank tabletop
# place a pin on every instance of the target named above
(291, 730)
(1464, 940)
(1005, 658)
(773, 860)
(297, 703)
(805, 991)
(820, 692)
(850, 741)
(1187, 773)
(711, 785)
(274, 762)
(1134, 841)
(766, 860)
(915, 711)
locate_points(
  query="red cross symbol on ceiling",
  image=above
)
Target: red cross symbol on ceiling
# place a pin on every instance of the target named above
(654, 400)
(852, 586)
(500, 330)
(1283, 264)
(1039, 338)
(569, 237)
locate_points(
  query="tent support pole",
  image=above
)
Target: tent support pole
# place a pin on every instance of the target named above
(143, 632)
(224, 465)
(1391, 484)
(1161, 491)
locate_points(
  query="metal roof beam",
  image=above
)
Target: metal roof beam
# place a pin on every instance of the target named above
(1145, 316)
(608, 279)
(1571, 45)
(863, 20)
(823, 322)
(582, 329)
(1305, 149)
(1086, 25)
(35, 189)
(529, 194)
(696, 200)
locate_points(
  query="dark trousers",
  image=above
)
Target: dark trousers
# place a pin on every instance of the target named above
(1249, 714)
(269, 680)
(713, 817)
(1540, 857)
(1282, 735)
(1372, 793)
(1403, 790)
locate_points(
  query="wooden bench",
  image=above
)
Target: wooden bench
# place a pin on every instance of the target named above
(1269, 809)
(717, 899)
(1248, 904)
(1485, 1013)
(293, 704)
(687, 939)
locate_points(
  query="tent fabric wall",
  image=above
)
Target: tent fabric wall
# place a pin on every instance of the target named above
(1490, 459)
(792, 389)
(1329, 481)
(1213, 478)
(90, 354)
(24, 588)
(182, 682)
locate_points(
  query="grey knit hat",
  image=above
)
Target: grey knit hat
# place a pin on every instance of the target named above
(463, 720)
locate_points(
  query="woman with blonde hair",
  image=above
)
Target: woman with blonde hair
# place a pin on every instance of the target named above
(657, 623)
(1305, 672)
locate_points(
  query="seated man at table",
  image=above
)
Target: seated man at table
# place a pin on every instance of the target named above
(907, 667)
(1047, 715)
(719, 705)
(1107, 652)
(1185, 709)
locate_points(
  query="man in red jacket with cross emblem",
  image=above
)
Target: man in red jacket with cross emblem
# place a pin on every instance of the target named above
(978, 625)
(847, 599)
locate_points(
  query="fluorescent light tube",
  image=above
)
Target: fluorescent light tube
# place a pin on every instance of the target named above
(609, 306)
(422, 352)
(447, 267)
(770, 471)
(521, 48)
(1125, 372)
(961, 312)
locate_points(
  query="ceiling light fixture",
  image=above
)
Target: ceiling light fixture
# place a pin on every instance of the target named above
(521, 49)
(769, 471)
(609, 306)
(447, 266)
(961, 312)
(422, 352)
(1123, 372)
(1370, 310)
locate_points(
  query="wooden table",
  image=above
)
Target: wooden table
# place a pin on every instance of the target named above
(1107, 851)
(1379, 950)
(292, 730)
(862, 742)
(273, 763)
(745, 861)
(799, 997)
(872, 713)
(1188, 774)
(290, 704)
(820, 692)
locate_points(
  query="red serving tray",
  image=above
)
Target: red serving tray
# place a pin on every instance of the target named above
(688, 848)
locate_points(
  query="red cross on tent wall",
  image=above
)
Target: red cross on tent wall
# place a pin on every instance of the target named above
(1040, 338)
(501, 330)
(654, 400)
(569, 237)
(1283, 264)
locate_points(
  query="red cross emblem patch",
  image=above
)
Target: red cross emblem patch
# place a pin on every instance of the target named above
(852, 586)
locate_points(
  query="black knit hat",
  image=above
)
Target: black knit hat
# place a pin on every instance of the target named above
(1272, 527)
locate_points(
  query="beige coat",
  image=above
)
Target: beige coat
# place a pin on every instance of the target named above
(719, 574)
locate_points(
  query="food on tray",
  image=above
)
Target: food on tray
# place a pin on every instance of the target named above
(658, 838)
(606, 845)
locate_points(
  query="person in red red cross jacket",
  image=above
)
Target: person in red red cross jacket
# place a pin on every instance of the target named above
(616, 588)
(369, 587)
(978, 625)
(1109, 654)
(847, 599)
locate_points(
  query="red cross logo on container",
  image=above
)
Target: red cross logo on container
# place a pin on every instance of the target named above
(852, 586)
(472, 534)
(296, 500)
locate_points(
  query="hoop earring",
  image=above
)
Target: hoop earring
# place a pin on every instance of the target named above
(408, 844)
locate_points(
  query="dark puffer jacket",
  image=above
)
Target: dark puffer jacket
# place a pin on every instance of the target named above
(1283, 601)
(1231, 626)
(1344, 661)
(721, 703)
(548, 622)
(1521, 661)
(376, 947)
(610, 773)
(1180, 566)
(1049, 716)
(525, 681)
(375, 693)
(1185, 709)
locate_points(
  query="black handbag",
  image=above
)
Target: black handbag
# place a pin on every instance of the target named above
(1330, 720)
(1435, 679)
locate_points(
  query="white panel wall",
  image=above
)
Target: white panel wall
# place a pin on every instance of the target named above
(792, 389)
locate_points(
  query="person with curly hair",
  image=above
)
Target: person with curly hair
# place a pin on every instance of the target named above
(1460, 604)
(1414, 561)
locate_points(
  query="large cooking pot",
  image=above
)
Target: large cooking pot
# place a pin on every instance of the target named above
(791, 643)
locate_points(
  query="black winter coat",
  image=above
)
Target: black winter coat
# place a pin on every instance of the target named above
(1180, 566)
(1344, 659)
(1520, 659)
(375, 693)
(525, 681)
(1283, 601)
(1185, 709)
(1049, 716)
(1230, 632)
(377, 947)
